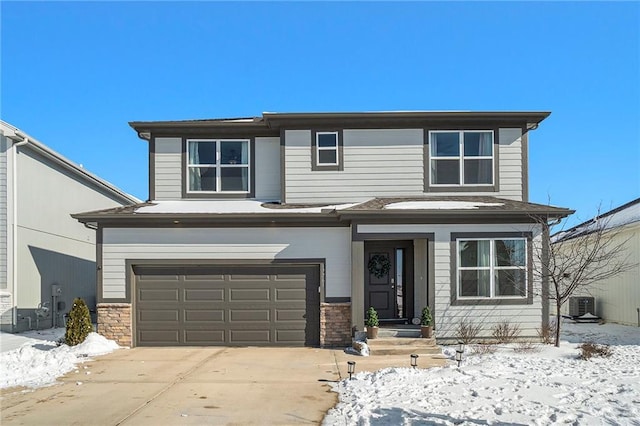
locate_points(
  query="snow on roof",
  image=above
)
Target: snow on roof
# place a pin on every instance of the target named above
(439, 205)
(624, 215)
(229, 207)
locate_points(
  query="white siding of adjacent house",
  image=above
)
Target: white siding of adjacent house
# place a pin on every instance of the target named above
(4, 144)
(447, 317)
(377, 163)
(168, 164)
(332, 244)
(384, 163)
(267, 161)
(618, 298)
(52, 247)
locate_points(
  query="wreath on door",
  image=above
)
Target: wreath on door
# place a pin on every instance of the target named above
(379, 265)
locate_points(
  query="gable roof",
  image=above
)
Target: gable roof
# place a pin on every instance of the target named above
(624, 215)
(80, 172)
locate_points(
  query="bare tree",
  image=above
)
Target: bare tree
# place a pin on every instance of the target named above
(580, 257)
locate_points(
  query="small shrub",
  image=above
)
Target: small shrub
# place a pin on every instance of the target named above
(547, 333)
(588, 350)
(522, 347)
(505, 332)
(467, 331)
(372, 318)
(78, 324)
(426, 319)
(484, 349)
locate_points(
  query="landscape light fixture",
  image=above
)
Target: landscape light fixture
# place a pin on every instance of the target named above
(459, 352)
(414, 360)
(351, 367)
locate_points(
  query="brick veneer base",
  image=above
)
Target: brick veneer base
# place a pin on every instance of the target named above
(114, 322)
(335, 324)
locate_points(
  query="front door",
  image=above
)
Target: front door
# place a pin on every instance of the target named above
(388, 279)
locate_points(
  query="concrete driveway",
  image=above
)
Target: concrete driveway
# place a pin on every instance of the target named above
(176, 386)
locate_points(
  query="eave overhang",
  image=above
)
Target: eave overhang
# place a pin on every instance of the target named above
(271, 123)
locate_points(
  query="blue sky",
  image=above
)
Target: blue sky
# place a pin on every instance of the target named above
(73, 74)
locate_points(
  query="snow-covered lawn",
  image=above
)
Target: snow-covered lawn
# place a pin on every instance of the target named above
(547, 386)
(34, 359)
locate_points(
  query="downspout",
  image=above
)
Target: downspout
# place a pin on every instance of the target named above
(14, 195)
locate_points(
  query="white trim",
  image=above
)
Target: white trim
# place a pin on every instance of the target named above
(492, 268)
(460, 158)
(333, 148)
(218, 166)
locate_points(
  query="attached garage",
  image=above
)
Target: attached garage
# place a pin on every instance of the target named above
(240, 305)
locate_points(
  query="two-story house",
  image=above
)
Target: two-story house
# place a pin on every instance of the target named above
(283, 229)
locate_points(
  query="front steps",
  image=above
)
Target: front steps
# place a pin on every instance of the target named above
(403, 340)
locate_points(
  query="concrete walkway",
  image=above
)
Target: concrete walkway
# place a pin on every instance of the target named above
(176, 386)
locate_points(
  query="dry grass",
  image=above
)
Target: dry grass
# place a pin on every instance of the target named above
(547, 333)
(589, 350)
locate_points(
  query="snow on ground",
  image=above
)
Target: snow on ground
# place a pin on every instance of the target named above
(34, 359)
(547, 386)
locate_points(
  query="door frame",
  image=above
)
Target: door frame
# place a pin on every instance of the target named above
(408, 269)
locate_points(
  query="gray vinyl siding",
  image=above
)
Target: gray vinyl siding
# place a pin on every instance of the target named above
(386, 162)
(331, 244)
(267, 160)
(448, 316)
(4, 144)
(168, 168)
(510, 164)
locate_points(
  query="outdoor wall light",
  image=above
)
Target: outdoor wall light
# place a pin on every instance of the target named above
(414, 360)
(459, 352)
(351, 367)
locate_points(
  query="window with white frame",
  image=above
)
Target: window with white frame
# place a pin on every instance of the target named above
(492, 268)
(218, 165)
(326, 148)
(461, 158)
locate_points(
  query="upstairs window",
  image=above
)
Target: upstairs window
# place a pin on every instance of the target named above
(218, 165)
(461, 158)
(492, 268)
(327, 149)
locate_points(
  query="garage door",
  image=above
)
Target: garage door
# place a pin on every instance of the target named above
(231, 305)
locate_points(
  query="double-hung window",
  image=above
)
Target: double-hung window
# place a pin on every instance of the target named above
(218, 165)
(327, 149)
(461, 158)
(492, 268)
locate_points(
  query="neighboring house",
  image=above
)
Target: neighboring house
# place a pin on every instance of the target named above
(617, 299)
(283, 229)
(46, 257)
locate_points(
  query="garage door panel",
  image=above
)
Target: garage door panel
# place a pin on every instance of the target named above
(249, 337)
(289, 336)
(251, 295)
(214, 316)
(243, 315)
(158, 315)
(204, 278)
(158, 295)
(204, 337)
(199, 295)
(227, 305)
(158, 337)
(290, 315)
(290, 294)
